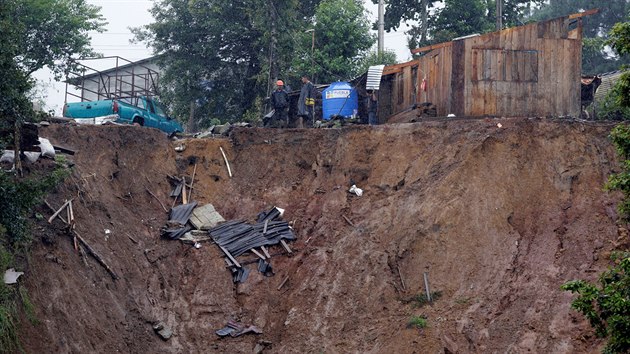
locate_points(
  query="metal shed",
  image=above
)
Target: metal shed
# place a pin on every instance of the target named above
(530, 70)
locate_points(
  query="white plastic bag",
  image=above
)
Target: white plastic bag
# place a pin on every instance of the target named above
(47, 149)
(356, 190)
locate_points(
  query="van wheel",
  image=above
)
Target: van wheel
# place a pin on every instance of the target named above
(138, 121)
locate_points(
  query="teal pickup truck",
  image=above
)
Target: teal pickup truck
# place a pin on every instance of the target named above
(139, 110)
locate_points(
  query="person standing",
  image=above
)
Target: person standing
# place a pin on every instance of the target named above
(372, 101)
(306, 102)
(280, 104)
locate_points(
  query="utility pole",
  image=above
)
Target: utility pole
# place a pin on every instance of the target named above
(312, 31)
(499, 15)
(273, 64)
(381, 27)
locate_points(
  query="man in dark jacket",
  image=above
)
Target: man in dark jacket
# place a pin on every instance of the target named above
(280, 103)
(306, 103)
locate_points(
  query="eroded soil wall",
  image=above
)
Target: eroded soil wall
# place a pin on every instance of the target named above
(498, 217)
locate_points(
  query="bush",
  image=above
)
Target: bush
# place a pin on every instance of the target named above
(19, 196)
(417, 322)
(607, 307)
(613, 107)
(620, 136)
(420, 300)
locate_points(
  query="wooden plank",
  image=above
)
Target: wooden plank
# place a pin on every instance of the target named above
(232, 259)
(407, 88)
(541, 84)
(585, 13)
(283, 282)
(577, 74)
(554, 105)
(96, 255)
(264, 249)
(286, 247)
(446, 95)
(59, 211)
(458, 77)
(398, 67)
(348, 220)
(431, 47)
(475, 64)
(257, 254)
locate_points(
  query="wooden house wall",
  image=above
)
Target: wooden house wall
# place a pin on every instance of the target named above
(435, 68)
(532, 70)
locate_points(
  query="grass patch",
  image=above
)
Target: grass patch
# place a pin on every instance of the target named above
(28, 306)
(417, 322)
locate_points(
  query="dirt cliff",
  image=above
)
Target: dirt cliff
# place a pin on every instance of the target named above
(498, 217)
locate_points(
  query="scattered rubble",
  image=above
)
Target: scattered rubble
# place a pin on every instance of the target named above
(235, 329)
(163, 331)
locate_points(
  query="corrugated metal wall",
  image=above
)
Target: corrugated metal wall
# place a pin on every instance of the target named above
(532, 70)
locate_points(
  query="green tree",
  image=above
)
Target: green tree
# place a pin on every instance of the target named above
(607, 307)
(36, 34)
(597, 58)
(459, 18)
(376, 58)
(221, 58)
(616, 105)
(342, 39)
(434, 21)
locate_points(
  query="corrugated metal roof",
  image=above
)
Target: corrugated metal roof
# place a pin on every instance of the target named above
(374, 77)
(608, 82)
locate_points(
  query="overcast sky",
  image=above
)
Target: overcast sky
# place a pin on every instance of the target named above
(121, 14)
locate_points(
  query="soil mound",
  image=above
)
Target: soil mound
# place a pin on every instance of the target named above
(498, 217)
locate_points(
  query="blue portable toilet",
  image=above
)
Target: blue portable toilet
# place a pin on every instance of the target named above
(339, 99)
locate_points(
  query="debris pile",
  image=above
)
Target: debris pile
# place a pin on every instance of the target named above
(234, 237)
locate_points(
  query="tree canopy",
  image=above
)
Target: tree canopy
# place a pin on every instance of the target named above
(36, 34)
(221, 60)
(342, 39)
(434, 21)
(597, 57)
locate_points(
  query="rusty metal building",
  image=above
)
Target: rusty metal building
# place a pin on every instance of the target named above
(530, 70)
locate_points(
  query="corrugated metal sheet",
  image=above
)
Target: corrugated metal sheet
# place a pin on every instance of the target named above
(374, 77)
(608, 81)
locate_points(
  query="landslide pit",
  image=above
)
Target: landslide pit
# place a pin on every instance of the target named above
(498, 217)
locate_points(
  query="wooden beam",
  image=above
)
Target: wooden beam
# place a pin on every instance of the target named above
(582, 14)
(392, 69)
(430, 47)
(59, 211)
(264, 249)
(230, 256)
(286, 247)
(258, 254)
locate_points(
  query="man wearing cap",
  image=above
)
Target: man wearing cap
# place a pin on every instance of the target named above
(280, 103)
(306, 103)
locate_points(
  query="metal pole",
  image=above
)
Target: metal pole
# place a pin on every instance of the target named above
(381, 26)
(499, 15)
(426, 286)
